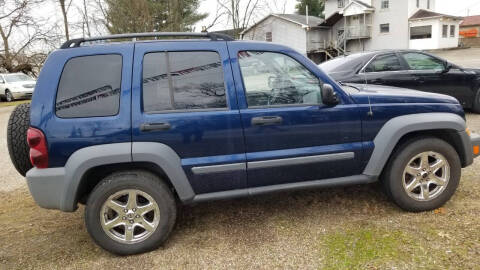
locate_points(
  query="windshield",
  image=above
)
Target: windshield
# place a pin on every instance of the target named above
(17, 78)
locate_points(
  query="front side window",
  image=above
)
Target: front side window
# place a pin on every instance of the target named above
(385, 28)
(388, 62)
(421, 32)
(272, 79)
(385, 4)
(183, 81)
(90, 87)
(445, 31)
(420, 61)
(452, 30)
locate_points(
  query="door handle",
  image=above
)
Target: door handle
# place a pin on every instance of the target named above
(266, 120)
(155, 127)
(377, 81)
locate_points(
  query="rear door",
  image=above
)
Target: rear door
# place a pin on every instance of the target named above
(387, 69)
(290, 135)
(184, 97)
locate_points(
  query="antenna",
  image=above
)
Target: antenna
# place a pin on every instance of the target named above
(370, 111)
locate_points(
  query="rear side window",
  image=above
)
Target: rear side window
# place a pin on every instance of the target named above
(388, 62)
(90, 87)
(183, 81)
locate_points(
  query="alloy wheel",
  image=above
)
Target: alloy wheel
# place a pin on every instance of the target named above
(129, 216)
(426, 176)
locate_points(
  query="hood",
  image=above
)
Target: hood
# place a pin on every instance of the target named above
(23, 83)
(472, 70)
(388, 94)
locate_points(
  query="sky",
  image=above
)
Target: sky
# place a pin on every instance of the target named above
(451, 7)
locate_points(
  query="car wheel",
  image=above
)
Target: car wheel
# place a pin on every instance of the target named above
(18, 148)
(476, 103)
(130, 212)
(8, 96)
(422, 174)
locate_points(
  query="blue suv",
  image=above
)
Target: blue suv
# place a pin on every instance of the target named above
(133, 129)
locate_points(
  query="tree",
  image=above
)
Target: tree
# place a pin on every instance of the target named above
(15, 18)
(241, 13)
(64, 10)
(315, 7)
(127, 16)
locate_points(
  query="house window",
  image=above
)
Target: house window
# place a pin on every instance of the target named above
(428, 4)
(385, 4)
(385, 28)
(341, 3)
(452, 30)
(421, 32)
(418, 3)
(445, 31)
(268, 36)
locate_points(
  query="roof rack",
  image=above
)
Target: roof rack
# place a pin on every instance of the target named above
(213, 36)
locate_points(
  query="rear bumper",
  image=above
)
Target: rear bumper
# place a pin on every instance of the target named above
(47, 187)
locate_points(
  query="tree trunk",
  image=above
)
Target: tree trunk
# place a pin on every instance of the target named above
(65, 20)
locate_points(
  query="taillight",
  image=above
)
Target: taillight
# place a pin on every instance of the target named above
(38, 148)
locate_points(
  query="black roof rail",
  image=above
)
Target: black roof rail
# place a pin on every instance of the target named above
(213, 36)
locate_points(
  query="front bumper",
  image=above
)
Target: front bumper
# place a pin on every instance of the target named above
(22, 94)
(475, 140)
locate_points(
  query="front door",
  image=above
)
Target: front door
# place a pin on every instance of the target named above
(290, 135)
(430, 76)
(185, 98)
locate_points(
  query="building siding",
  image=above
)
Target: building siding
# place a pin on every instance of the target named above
(296, 37)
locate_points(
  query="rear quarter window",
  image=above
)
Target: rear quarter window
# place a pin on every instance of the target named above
(90, 87)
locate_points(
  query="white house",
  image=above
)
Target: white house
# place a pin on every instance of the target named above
(292, 30)
(357, 25)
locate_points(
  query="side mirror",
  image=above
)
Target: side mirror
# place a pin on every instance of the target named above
(329, 97)
(448, 67)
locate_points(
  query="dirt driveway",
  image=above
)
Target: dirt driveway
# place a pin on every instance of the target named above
(341, 228)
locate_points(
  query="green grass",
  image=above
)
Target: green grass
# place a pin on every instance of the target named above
(13, 103)
(363, 248)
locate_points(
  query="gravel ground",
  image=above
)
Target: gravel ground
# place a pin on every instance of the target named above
(340, 228)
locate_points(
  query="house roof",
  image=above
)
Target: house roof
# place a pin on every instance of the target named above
(333, 19)
(362, 3)
(301, 20)
(365, 7)
(426, 14)
(471, 20)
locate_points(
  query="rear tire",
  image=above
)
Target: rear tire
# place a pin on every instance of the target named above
(416, 185)
(137, 228)
(18, 148)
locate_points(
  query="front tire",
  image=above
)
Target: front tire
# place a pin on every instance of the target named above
(9, 96)
(130, 212)
(476, 103)
(422, 174)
